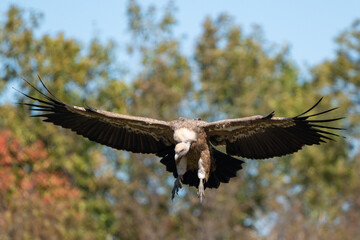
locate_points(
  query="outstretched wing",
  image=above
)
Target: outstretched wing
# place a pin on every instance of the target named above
(260, 137)
(135, 134)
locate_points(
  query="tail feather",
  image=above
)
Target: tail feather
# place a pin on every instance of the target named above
(226, 168)
(191, 178)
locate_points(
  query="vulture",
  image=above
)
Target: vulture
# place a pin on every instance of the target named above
(187, 147)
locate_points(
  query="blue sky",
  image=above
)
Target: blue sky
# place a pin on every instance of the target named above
(308, 27)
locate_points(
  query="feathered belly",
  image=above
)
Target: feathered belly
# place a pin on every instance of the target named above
(195, 153)
(192, 160)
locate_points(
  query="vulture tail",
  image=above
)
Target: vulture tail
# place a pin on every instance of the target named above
(226, 168)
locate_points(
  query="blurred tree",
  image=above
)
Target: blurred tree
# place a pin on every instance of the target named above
(160, 84)
(116, 195)
(240, 77)
(75, 74)
(36, 201)
(255, 80)
(323, 188)
(335, 170)
(238, 73)
(164, 77)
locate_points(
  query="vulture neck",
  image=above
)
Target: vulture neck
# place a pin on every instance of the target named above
(184, 135)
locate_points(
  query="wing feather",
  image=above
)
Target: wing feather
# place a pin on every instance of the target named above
(260, 137)
(135, 134)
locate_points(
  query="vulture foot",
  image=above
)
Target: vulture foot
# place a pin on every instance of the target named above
(177, 186)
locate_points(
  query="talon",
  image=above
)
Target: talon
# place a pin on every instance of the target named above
(177, 186)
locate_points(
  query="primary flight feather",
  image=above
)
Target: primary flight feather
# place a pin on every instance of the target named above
(186, 146)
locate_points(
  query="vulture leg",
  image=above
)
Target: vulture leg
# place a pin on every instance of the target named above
(201, 190)
(181, 169)
(201, 176)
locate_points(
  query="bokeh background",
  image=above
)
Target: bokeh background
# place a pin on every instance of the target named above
(166, 59)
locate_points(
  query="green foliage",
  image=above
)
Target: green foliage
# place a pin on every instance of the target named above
(252, 78)
(313, 193)
(36, 201)
(164, 79)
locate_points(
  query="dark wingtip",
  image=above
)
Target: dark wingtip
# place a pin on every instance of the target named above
(317, 103)
(325, 120)
(42, 83)
(88, 108)
(270, 115)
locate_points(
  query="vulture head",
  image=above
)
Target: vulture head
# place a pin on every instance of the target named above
(181, 149)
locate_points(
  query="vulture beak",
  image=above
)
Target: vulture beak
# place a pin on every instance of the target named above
(181, 149)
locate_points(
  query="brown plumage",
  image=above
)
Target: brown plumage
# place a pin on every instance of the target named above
(187, 146)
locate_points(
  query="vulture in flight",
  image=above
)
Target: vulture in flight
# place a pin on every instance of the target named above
(187, 146)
